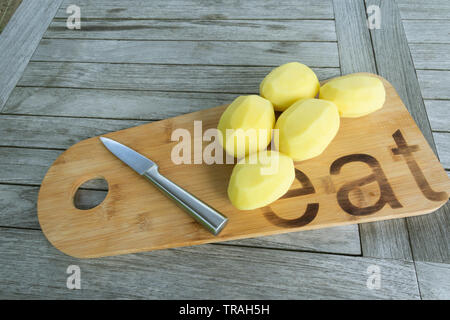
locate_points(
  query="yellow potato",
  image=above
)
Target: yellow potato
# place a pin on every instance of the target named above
(354, 95)
(260, 179)
(306, 128)
(288, 83)
(246, 125)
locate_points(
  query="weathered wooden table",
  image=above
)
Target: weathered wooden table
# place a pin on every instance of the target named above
(134, 61)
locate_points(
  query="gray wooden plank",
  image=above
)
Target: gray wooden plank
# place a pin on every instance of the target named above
(434, 280)
(55, 132)
(224, 79)
(434, 83)
(198, 9)
(182, 30)
(231, 273)
(18, 206)
(18, 210)
(439, 114)
(20, 38)
(314, 54)
(384, 239)
(25, 166)
(431, 55)
(355, 48)
(417, 9)
(427, 31)
(344, 240)
(428, 236)
(442, 140)
(119, 104)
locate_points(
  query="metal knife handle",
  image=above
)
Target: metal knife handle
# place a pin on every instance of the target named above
(204, 214)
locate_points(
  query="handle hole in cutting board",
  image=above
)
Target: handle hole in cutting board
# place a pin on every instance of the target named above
(90, 194)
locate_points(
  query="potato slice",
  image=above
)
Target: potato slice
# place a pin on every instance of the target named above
(288, 83)
(246, 125)
(306, 128)
(354, 95)
(260, 179)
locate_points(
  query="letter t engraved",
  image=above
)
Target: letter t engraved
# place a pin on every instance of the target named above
(406, 151)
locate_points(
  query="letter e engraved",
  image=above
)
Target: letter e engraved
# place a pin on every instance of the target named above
(386, 193)
(311, 210)
(74, 280)
(406, 151)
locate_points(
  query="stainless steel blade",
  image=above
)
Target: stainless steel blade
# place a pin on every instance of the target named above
(135, 160)
(211, 219)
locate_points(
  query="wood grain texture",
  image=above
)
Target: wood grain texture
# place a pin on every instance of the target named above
(443, 147)
(217, 30)
(232, 273)
(18, 210)
(427, 235)
(427, 31)
(118, 104)
(18, 206)
(355, 48)
(434, 83)
(222, 79)
(342, 240)
(415, 9)
(198, 9)
(165, 225)
(55, 132)
(387, 239)
(20, 38)
(431, 55)
(434, 280)
(25, 166)
(313, 54)
(384, 239)
(438, 113)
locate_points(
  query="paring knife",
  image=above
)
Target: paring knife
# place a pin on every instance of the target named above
(204, 214)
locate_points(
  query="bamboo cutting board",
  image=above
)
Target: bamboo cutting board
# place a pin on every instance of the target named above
(378, 167)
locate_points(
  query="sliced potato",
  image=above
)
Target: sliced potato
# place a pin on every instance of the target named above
(288, 83)
(246, 125)
(355, 95)
(306, 128)
(260, 179)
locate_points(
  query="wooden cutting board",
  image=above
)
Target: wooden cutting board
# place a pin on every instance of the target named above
(378, 167)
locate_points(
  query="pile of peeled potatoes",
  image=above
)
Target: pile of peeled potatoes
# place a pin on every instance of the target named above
(306, 126)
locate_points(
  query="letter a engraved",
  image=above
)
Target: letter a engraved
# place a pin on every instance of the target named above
(386, 193)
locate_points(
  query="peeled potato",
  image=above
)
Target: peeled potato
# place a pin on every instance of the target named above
(288, 83)
(306, 128)
(260, 179)
(246, 125)
(354, 95)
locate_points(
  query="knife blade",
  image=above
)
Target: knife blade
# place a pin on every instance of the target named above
(208, 217)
